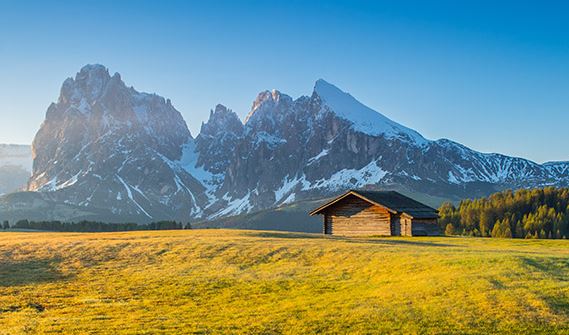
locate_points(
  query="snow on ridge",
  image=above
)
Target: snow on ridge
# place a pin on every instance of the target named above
(323, 153)
(271, 140)
(209, 180)
(288, 185)
(352, 178)
(289, 199)
(363, 118)
(130, 196)
(557, 168)
(176, 168)
(234, 206)
(346, 178)
(70, 182)
(492, 167)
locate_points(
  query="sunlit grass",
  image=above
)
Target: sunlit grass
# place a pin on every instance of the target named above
(222, 281)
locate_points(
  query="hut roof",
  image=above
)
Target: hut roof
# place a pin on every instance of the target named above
(393, 201)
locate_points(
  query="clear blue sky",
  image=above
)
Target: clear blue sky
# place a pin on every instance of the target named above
(491, 75)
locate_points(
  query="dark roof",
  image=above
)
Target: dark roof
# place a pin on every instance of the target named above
(393, 201)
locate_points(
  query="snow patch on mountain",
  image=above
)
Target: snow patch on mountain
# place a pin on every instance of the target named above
(352, 178)
(558, 168)
(322, 153)
(235, 206)
(271, 141)
(370, 174)
(189, 162)
(70, 182)
(131, 197)
(289, 184)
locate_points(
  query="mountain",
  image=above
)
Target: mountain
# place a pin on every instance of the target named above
(15, 167)
(316, 146)
(105, 147)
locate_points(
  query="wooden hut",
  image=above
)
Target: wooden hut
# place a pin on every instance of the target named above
(386, 213)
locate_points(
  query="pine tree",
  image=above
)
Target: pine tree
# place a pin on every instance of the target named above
(497, 230)
(519, 230)
(506, 229)
(449, 230)
(531, 213)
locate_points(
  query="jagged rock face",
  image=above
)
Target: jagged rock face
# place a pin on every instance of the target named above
(106, 145)
(320, 145)
(302, 149)
(217, 139)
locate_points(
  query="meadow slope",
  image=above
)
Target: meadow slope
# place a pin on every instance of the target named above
(224, 281)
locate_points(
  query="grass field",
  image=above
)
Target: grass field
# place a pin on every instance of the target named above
(223, 281)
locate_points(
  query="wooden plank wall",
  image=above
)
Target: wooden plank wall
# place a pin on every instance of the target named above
(353, 216)
(327, 229)
(406, 225)
(425, 227)
(396, 225)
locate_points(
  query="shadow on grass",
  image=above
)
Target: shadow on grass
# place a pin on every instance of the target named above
(388, 241)
(557, 269)
(371, 240)
(274, 234)
(29, 272)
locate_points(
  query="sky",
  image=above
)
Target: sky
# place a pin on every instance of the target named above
(492, 75)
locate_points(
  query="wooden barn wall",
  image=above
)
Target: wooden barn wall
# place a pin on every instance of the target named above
(396, 224)
(405, 226)
(428, 227)
(353, 216)
(327, 229)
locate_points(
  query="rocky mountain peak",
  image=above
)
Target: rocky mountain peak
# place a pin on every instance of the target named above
(106, 145)
(89, 83)
(363, 118)
(93, 75)
(267, 103)
(222, 119)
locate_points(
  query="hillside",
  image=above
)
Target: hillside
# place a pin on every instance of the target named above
(220, 281)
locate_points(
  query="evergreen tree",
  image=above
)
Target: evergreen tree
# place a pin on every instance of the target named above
(519, 232)
(497, 230)
(449, 230)
(542, 213)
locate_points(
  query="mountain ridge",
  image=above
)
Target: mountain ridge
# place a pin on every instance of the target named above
(135, 150)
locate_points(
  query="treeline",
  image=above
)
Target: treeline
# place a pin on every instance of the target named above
(93, 226)
(536, 213)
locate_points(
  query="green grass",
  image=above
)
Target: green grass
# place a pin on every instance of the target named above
(222, 281)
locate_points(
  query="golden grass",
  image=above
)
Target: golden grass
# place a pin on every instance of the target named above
(223, 281)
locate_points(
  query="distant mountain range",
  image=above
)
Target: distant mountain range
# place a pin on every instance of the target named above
(15, 167)
(107, 148)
